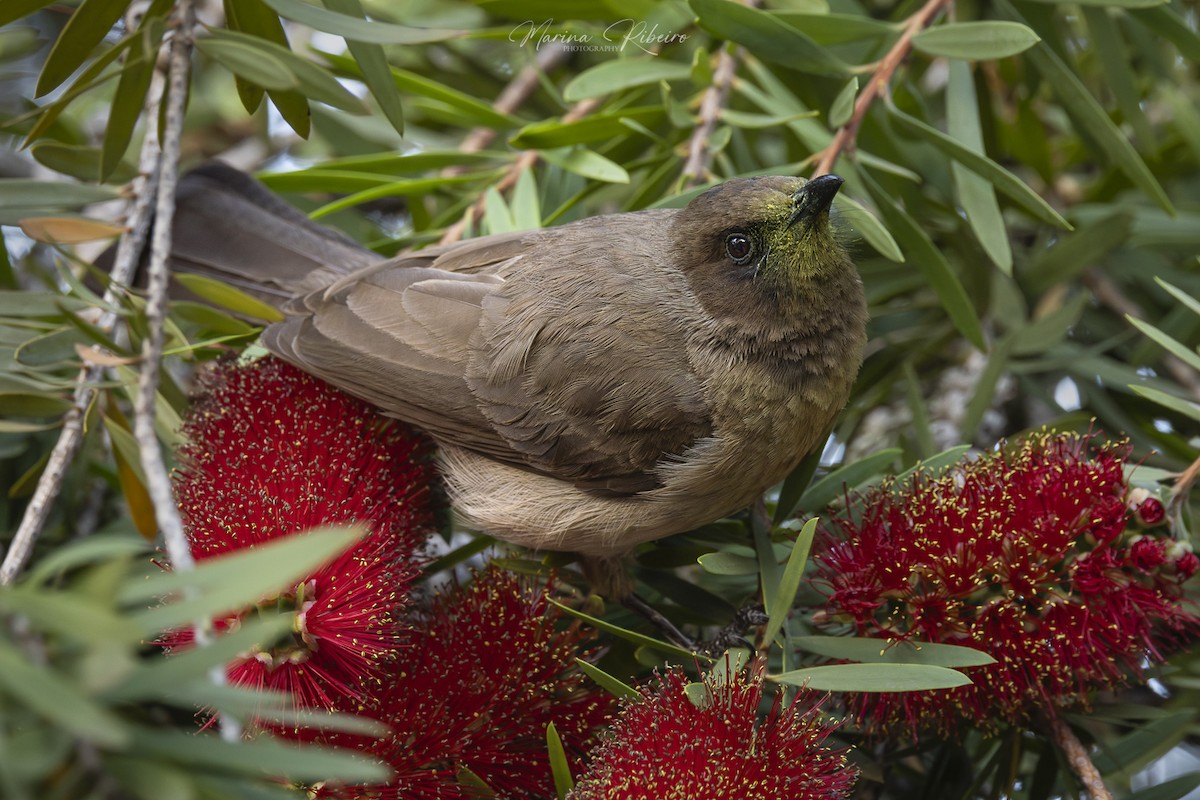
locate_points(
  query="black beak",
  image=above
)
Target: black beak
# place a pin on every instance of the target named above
(815, 197)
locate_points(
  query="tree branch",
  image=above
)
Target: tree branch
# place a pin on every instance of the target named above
(879, 82)
(700, 156)
(1077, 757)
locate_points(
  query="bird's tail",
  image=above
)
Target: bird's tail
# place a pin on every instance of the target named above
(230, 227)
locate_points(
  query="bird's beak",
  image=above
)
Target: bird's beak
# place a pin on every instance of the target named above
(814, 197)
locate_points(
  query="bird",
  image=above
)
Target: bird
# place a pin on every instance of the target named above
(590, 386)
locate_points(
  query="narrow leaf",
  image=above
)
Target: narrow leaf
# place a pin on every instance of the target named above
(980, 164)
(349, 23)
(869, 227)
(86, 28)
(767, 37)
(829, 488)
(843, 104)
(779, 601)
(559, 767)
(130, 96)
(235, 580)
(874, 678)
(227, 297)
(632, 636)
(587, 163)
(613, 686)
(1178, 349)
(1090, 116)
(932, 263)
(623, 73)
(58, 700)
(975, 193)
(1185, 407)
(976, 41)
(881, 651)
(372, 60)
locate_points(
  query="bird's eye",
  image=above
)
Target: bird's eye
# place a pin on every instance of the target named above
(738, 247)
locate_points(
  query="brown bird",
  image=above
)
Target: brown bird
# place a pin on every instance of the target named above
(591, 386)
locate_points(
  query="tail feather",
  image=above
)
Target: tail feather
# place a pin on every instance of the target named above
(229, 226)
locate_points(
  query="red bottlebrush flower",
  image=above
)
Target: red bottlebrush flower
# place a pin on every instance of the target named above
(664, 745)
(487, 668)
(272, 452)
(1022, 553)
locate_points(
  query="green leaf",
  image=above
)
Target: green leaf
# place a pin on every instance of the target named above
(560, 768)
(879, 651)
(1090, 116)
(869, 227)
(315, 82)
(13, 10)
(587, 163)
(497, 218)
(130, 96)
(71, 616)
(1178, 349)
(372, 60)
(983, 166)
(932, 263)
(975, 193)
(1107, 3)
(613, 686)
(1185, 407)
(350, 24)
(157, 677)
(767, 37)
(259, 757)
(874, 678)
(98, 547)
(1183, 297)
(229, 582)
(1115, 58)
(843, 104)
(1163, 20)
(623, 73)
(249, 62)
(19, 193)
(728, 564)
(751, 121)
(779, 601)
(837, 28)
(1073, 253)
(1152, 740)
(633, 636)
(52, 696)
(227, 297)
(600, 127)
(254, 18)
(525, 206)
(86, 28)
(1173, 789)
(976, 41)
(829, 488)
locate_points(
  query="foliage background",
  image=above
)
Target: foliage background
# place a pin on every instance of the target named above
(1018, 199)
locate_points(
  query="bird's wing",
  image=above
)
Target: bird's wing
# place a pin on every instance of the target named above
(578, 371)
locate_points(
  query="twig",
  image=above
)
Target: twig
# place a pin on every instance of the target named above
(128, 249)
(700, 155)
(1106, 293)
(880, 80)
(524, 161)
(1078, 758)
(158, 481)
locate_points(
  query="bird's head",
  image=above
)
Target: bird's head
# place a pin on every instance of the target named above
(771, 234)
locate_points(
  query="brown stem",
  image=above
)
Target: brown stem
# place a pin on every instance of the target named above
(700, 155)
(1077, 757)
(879, 82)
